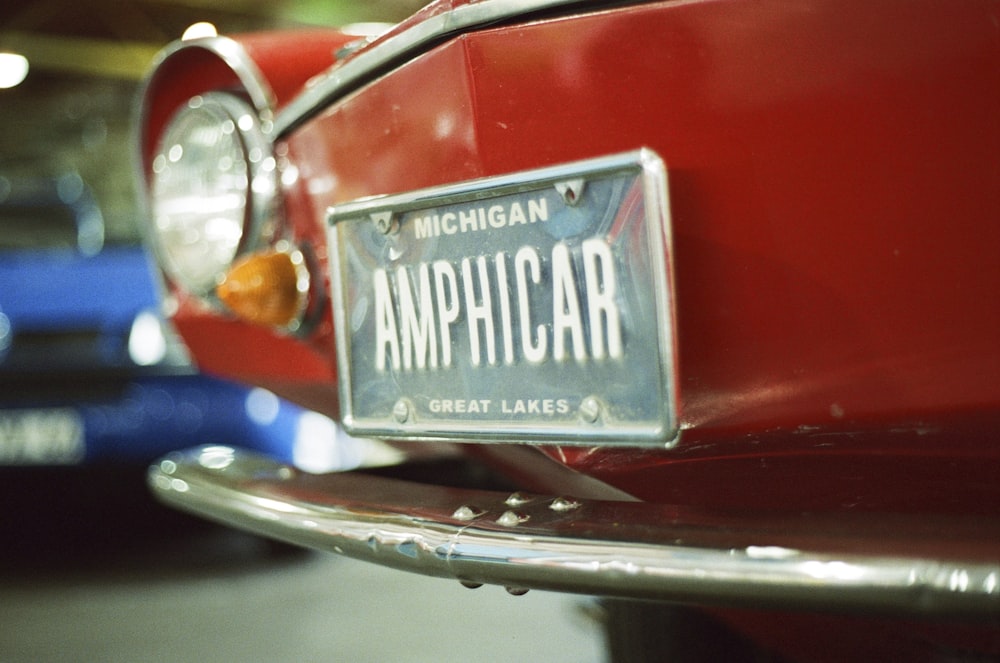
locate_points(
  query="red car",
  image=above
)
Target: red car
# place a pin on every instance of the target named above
(713, 284)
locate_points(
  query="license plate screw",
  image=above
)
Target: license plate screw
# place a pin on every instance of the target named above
(384, 222)
(590, 409)
(401, 411)
(571, 190)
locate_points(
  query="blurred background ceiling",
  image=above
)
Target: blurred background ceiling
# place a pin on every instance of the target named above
(86, 60)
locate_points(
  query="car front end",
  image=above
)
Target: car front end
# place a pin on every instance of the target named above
(711, 284)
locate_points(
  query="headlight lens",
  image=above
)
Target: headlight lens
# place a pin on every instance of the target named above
(212, 179)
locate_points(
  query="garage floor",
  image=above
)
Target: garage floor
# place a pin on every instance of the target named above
(92, 570)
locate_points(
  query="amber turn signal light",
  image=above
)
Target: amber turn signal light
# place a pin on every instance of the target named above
(264, 288)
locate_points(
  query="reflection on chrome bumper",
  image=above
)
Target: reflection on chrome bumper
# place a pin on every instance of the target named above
(628, 549)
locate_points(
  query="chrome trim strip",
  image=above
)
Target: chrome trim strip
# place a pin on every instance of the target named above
(340, 79)
(897, 564)
(235, 57)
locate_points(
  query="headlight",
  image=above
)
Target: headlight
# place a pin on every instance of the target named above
(212, 186)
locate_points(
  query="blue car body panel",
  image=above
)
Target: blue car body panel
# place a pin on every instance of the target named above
(160, 410)
(59, 288)
(45, 294)
(137, 419)
(71, 391)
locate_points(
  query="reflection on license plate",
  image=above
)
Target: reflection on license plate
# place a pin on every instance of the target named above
(51, 436)
(531, 307)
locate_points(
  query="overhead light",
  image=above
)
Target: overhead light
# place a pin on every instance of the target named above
(13, 70)
(199, 30)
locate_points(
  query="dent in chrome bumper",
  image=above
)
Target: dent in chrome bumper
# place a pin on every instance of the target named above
(925, 564)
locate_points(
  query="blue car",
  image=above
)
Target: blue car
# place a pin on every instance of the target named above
(90, 373)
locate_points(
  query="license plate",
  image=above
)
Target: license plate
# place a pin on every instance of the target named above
(49, 436)
(534, 307)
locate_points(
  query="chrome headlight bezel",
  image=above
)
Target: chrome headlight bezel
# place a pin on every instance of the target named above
(214, 155)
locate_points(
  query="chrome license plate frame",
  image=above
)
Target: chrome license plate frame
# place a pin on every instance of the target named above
(577, 347)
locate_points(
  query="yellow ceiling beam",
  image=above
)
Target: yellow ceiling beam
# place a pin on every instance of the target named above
(78, 55)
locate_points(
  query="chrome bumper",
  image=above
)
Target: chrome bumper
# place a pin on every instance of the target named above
(939, 565)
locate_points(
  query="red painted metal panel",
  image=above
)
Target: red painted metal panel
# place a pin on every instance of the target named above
(832, 166)
(833, 175)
